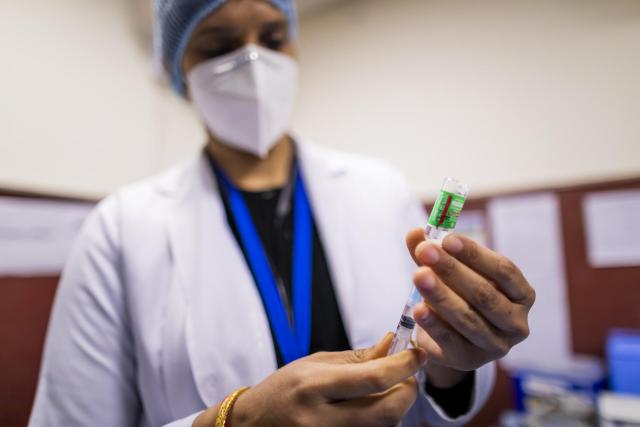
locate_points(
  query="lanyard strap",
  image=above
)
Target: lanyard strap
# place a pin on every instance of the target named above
(294, 339)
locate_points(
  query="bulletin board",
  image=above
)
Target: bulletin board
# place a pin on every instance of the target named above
(25, 305)
(599, 298)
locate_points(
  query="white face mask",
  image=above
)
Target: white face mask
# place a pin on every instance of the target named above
(246, 97)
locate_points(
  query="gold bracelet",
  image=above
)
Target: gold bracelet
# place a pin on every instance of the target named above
(226, 405)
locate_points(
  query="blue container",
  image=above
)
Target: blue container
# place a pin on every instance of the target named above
(623, 356)
(572, 384)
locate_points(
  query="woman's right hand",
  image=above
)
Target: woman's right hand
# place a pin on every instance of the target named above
(349, 388)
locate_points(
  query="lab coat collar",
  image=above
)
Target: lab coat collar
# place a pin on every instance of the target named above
(194, 175)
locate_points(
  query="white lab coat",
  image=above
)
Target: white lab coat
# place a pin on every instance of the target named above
(157, 316)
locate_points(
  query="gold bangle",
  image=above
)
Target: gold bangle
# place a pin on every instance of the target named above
(226, 405)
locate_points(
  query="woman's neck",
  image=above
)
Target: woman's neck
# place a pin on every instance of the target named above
(251, 173)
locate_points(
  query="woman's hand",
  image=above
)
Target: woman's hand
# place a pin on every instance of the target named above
(350, 388)
(475, 309)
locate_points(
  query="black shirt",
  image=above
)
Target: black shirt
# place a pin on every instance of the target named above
(276, 233)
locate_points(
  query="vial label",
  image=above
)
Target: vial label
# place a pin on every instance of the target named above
(446, 210)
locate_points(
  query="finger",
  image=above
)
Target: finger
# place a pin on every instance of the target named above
(381, 410)
(380, 349)
(347, 381)
(435, 353)
(414, 238)
(479, 292)
(490, 264)
(456, 312)
(444, 346)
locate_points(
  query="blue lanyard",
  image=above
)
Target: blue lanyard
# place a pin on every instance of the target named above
(294, 339)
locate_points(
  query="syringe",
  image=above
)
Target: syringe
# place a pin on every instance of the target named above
(442, 221)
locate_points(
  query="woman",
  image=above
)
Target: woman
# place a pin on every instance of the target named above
(267, 253)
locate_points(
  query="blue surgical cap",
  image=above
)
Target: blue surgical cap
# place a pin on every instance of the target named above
(175, 21)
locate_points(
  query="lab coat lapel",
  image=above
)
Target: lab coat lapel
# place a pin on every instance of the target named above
(324, 178)
(226, 330)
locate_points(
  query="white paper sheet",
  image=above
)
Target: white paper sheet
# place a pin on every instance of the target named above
(612, 228)
(37, 235)
(527, 229)
(473, 224)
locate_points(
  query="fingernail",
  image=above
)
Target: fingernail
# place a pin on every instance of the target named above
(423, 357)
(427, 313)
(428, 281)
(428, 253)
(425, 317)
(453, 244)
(420, 248)
(383, 339)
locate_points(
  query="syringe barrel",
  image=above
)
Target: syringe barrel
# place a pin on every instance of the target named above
(401, 340)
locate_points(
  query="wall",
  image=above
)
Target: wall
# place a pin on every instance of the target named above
(82, 111)
(502, 94)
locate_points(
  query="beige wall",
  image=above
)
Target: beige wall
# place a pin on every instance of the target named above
(503, 94)
(81, 111)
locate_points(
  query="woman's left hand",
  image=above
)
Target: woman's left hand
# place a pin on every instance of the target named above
(475, 309)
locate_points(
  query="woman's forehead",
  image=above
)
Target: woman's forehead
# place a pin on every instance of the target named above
(240, 13)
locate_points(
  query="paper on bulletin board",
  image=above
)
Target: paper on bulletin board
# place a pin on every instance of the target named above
(527, 229)
(36, 236)
(612, 228)
(473, 224)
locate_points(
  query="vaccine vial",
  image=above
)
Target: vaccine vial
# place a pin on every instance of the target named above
(446, 210)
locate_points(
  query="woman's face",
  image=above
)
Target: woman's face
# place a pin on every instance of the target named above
(234, 25)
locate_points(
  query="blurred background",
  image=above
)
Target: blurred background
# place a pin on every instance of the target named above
(534, 103)
(503, 94)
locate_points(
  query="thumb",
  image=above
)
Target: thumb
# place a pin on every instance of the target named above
(380, 349)
(413, 239)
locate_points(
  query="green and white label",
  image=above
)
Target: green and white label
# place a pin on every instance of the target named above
(446, 210)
